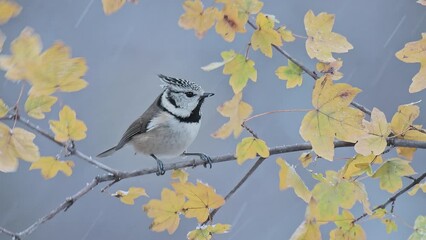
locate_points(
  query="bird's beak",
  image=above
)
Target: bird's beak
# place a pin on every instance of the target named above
(207, 95)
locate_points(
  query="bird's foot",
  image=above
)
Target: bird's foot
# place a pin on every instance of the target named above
(160, 168)
(207, 160)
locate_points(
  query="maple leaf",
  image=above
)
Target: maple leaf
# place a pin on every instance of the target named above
(249, 6)
(128, 197)
(360, 164)
(8, 9)
(292, 73)
(197, 18)
(419, 229)
(377, 132)
(305, 159)
(112, 6)
(404, 118)
(50, 166)
(416, 188)
(16, 143)
(206, 232)
(68, 127)
(54, 70)
(406, 152)
(390, 174)
(322, 42)
(286, 35)
(390, 225)
(335, 193)
(237, 111)
(290, 178)
(36, 106)
(180, 174)
(240, 69)
(201, 199)
(309, 228)
(230, 22)
(414, 52)
(165, 211)
(331, 68)
(249, 148)
(265, 35)
(346, 229)
(4, 109)
(25, 50)
(331, 117)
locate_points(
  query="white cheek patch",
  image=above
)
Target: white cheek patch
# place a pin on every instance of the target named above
(181, 112)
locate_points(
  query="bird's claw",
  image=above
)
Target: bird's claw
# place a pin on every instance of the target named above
(160, 168)
(207, 160)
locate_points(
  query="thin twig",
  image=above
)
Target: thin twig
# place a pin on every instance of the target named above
(247, 50)
(249, 130)
(275, 111)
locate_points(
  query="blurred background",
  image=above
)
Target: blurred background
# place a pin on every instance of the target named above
(125, 52)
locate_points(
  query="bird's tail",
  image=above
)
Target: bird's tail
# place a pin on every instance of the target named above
(107, 153)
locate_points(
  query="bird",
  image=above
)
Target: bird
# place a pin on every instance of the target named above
(169, 126)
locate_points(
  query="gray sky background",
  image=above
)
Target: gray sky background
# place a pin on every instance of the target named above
(125, 52)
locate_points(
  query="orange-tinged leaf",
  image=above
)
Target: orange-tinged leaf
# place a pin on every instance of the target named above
(406, 152)
(128, 197)
(55, 71)
(291, 73)
(36, 106)
(305, 159)
(360, 164)
(419, 229)
(346, 229)
(8, 9)
(197, 18)
(286, 34)
(404, 118)
(249, 148)
(414, 52)
(265, 35)
(237, 111)
(16, 143)
(205, 232)
(25, 50)
(377, 132)
(241, 70)
(416, 188)
(165, 211)
(50, 166)
(331, 117)
(4, 109)
(331, 68)
(201, 199)
(230, 22)
(322, 42)
(290, 178)
(112, 6)
(390, 174)
(68, 127)
(180, 174)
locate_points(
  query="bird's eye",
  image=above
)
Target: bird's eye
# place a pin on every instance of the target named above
(189, 94)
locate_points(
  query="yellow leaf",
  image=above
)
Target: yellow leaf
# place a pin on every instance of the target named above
(16, 143)
(230, 22)
(249, 148)
(305, 159)
(309, 228)
(128, 197)
(112, 6)
(165, 211)
(331, 68)
(36, 106)
(379, 213)
(286, 35)
(390, 225)
(180, 174)
(4, 109)
(322, 42)
(406, 152)
(404, 118)
(377, 132)
(416, 188)
(390, 174)
(413, 52)
(337, 193)
(419, 229)
(8, 9)
(54, 71)
(292, 73)
(68, 127)
(206, 232)
(249, 6)
(201, 199)
(331, 117)
(25, 50)
(237, 111)
(227, 57)
(265, 35)
(360, 164)
(290, 178)
(241, 70)
(197, 18)
(50, 166)
(345, 229)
